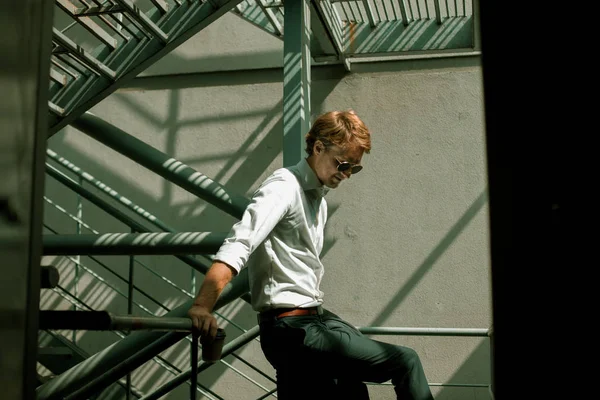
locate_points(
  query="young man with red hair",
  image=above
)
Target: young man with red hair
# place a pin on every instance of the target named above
(316, 354)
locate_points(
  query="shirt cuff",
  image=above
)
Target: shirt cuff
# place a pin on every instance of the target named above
(232, 255)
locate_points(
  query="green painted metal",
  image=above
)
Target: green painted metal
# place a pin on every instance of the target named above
(83, 56)
(183, 377)
(143, 19)
(54, 173)
(296, 80)
(135, 226)
(164, 165)
(402, 4)
(260, 16)
(369, 12)
(109, 191)
(407, 331)
(159, 360)
(332, 29)
(136, 349)
(421, 38)
(149, 243)
(320, 42)
(58, 365)
(438, 12)
(126, 355)
(179, 24)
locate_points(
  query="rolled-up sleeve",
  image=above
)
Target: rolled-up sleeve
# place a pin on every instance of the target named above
(268, 206)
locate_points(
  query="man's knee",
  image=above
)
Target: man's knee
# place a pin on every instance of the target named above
(408, 359)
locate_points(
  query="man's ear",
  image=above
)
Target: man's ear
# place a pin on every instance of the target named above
(318, 147)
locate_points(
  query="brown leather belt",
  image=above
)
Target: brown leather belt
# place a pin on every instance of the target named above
(277, 313)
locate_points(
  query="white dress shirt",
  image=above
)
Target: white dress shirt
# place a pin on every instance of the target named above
(280, 238)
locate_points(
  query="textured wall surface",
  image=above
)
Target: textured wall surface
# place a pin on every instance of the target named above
(407, 240)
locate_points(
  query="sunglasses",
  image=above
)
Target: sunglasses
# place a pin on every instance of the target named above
(345, 166)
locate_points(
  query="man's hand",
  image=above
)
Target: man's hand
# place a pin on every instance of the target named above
(203, 321)
(216, 278)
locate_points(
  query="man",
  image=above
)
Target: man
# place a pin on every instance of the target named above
(316, 354)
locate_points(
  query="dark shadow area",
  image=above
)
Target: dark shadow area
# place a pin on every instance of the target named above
(531, 156)
(475, 370)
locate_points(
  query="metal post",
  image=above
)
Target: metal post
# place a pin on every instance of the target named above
(130, 308)
(438, 12)
(79, 215)
(296, 80)
(194, 365)
(130, 283)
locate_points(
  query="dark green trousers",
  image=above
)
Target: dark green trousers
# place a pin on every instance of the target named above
(324, 357)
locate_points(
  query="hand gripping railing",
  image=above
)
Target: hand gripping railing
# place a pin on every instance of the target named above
(105, 321)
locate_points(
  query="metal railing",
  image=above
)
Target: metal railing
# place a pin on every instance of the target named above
(105, 321)
(84, 177)
(121, 325)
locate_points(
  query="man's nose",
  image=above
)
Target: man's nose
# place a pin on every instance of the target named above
(347, 173)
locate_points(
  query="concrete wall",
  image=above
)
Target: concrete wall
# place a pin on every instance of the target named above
(407, 240)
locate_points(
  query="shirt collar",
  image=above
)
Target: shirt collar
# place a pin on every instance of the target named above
(308, 179)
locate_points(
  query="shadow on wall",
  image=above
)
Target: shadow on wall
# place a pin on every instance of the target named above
(476, 370)
(433, 256)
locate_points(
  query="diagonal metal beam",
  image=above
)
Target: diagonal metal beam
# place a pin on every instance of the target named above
(271, 17)
(330, 21)
(127, 354)
(162, 164)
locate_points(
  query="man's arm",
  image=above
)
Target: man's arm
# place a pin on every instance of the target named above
(268, 206)
(219, 275)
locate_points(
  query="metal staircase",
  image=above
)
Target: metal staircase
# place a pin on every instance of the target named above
(99, 45)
